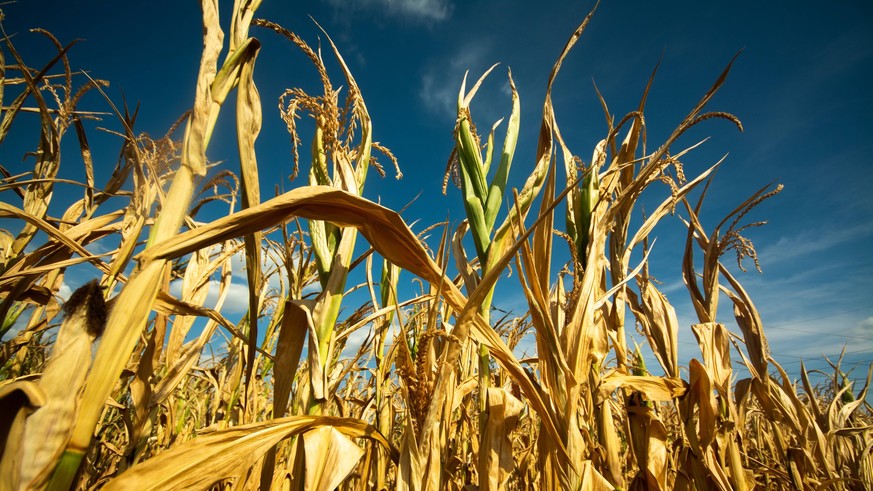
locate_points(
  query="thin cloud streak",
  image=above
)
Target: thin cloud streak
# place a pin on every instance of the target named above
(812, 240)
(411, 10)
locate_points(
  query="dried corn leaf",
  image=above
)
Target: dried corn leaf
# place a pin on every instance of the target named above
(660, 324)
(653, 388)
(195, 287)
(410, 468)
(296, 322)
(17, 401)
(9, 211)
(592, 479)
(248, 126)
(649, 437)
(495, 454)
(208, 459)
(657, 465)
(717, 473)
(700, 430)
(330, 457)
(714, 342)
(751, 325)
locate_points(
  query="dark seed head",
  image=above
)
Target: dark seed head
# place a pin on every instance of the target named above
(90, 297)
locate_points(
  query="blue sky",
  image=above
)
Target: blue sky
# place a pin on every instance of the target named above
(798, 86)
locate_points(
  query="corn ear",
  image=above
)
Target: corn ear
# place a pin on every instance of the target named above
(48, 429)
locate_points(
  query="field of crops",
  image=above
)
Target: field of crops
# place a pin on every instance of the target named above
(131, 384)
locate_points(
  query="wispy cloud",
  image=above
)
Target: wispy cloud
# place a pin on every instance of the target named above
(812, 240)
(437, 95)
(441, 80)
(825, 335)
(409, 10)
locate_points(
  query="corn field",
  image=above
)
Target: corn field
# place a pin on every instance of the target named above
(129, 384)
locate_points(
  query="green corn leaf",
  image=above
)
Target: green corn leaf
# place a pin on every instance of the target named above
(489, 148)
(476, 216)
(468, 145)
(586, 201)
(498, 184)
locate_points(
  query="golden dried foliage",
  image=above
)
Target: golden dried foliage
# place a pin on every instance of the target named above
(178, 396)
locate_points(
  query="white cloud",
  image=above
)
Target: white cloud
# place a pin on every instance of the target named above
(236, 303)
(64, 292)
(355, 340)
(412, 10)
